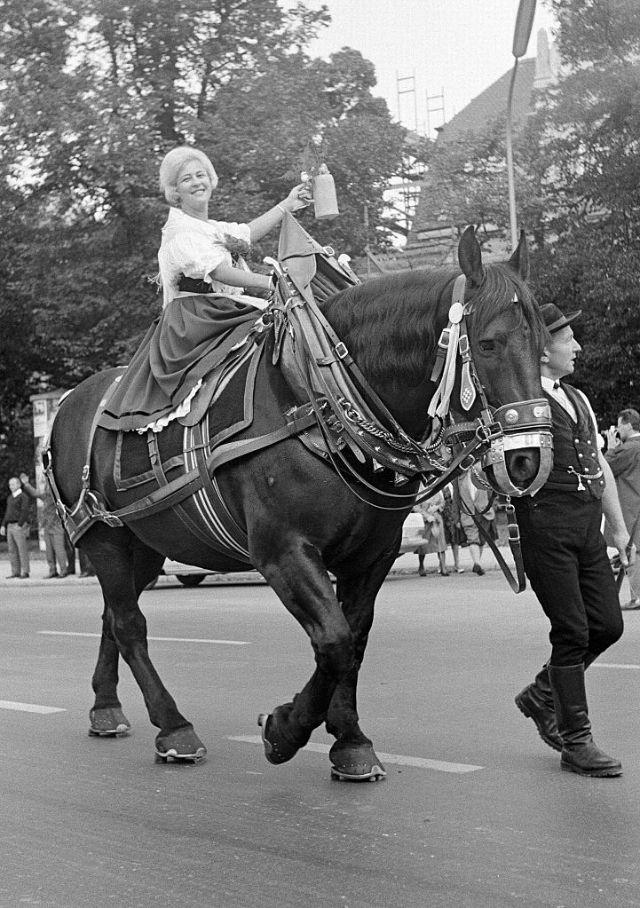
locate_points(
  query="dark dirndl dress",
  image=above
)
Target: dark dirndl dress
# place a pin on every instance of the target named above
(453, 531)
(190, 338)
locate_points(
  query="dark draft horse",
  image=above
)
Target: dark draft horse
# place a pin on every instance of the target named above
(301, 521)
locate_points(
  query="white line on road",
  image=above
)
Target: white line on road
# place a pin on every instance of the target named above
(399, 759)
(164, 639)
(616, 665)
(29, 707)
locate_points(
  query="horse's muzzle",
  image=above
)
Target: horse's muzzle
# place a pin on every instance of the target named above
(520, 457)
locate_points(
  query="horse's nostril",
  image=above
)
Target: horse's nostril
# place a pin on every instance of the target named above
(523, 465)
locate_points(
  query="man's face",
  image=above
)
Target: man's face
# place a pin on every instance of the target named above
(561, 353)
(14, 484)
(624, 429)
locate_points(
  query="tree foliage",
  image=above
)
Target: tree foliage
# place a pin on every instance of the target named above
(577, 181)
(92, 96)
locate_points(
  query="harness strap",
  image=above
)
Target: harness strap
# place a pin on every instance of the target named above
(448, 347)
(212, 490)
(518, 583)
(344, 357)
(160, 475)
(94, 425)
(467, 385)
(180, 488)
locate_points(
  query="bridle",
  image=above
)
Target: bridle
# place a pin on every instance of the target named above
(351, 416)
(513, 426)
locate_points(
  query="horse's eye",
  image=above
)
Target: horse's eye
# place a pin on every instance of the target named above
(487, 346)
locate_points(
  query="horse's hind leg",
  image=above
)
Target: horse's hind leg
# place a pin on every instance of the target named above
(106, 717)
(302, 583)
(352, 756)
(112, 552)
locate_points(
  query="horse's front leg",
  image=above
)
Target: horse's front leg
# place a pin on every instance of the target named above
(352, 756)
(112, 554)
(300, 579)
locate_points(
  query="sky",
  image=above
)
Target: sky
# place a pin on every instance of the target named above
(449, 50)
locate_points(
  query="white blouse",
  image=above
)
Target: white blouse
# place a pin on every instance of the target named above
(195, 248)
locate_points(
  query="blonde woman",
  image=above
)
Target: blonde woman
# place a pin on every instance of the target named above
(210, 297)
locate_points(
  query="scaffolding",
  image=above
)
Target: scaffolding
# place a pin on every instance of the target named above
(435, 106)
(404, 190)
(406, 85)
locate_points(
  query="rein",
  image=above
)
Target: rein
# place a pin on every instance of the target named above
(518, 583)
(346, 422)
(350, 413)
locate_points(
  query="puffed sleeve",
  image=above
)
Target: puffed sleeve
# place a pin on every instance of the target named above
(196, 256)
(230, 232)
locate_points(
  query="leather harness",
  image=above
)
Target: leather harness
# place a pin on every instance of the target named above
(340, 404)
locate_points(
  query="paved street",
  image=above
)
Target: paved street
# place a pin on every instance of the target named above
(474, 812)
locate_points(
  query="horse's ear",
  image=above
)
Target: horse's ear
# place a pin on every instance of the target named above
(470, 257)
(519, 261)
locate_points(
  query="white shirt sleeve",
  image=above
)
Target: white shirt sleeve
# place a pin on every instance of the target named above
(196, 256)
(196, 248)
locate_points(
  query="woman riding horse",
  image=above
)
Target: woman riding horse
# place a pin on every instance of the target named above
(206, 308)
(299, 520)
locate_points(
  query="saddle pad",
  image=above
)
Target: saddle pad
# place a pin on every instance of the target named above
(132, 464)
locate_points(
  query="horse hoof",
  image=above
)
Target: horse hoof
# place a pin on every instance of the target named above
(356, 764)
(108, 723)
(276, 750)
(181, 746)
(374, 774)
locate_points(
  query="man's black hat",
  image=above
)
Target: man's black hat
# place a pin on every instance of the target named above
(554, 319)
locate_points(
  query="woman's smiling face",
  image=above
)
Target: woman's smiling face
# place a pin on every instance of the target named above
(193, 187)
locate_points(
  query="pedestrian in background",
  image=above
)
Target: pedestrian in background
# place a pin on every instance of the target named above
(565, 558)
(453, 532)
(475, 501)
(15, 526)
(52, 529)
(435, 543)
(623, 456)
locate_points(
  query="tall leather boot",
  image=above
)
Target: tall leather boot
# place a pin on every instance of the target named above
(579, 751)
(536, 702)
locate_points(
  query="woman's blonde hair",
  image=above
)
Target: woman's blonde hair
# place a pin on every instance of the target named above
(173, 162)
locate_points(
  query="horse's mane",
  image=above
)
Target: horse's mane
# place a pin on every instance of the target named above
(391, 324)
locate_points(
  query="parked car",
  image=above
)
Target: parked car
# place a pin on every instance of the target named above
(412, 533)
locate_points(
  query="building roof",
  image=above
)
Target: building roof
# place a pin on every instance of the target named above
(491, 104)
(486, 108)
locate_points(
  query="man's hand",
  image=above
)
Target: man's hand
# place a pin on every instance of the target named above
(3, 531)
(626, 548)
(613, 439)
(24, 479)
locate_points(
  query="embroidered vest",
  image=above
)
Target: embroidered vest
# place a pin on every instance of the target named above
(575, 449)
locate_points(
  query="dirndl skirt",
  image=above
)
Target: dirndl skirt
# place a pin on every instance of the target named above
(191, 337)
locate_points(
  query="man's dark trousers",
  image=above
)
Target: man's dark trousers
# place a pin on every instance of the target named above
(566, 561)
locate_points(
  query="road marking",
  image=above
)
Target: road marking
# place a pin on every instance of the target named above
(627, 665)
(164, 639)
(397, 759)
(30, 707)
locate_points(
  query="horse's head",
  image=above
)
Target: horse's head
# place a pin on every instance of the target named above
(506, 337)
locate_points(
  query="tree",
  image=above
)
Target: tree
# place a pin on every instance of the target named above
(92, 97)
(589, 167)
(577, 170)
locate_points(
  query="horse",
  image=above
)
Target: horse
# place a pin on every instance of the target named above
(306, 513)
